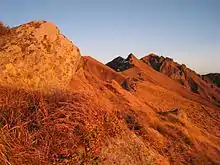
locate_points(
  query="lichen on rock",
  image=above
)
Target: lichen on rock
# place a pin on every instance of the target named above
(37, 56)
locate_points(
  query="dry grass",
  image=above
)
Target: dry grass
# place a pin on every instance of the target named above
(67, 128)
(72, 128)
(60, 128)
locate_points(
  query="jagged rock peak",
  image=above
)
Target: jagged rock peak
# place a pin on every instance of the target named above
(35, 55)
(131, 55)
(120, 64)
(152, 54)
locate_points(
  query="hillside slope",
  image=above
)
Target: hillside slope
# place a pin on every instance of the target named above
(158, 101)
(96, 115)
(185, 76)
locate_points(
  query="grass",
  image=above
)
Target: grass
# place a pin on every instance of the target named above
(72, 128)
(66, 128)
(51, 129)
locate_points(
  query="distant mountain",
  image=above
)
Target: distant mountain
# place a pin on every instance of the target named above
(120, 64)
(213, 77)
(184, 76)
(179, 72)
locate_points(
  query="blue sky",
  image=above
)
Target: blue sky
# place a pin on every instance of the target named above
(186, 30)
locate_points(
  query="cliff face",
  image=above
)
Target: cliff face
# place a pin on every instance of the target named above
(35, 55)
(167, 66)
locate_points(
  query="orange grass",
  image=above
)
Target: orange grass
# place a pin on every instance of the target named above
(50, 129)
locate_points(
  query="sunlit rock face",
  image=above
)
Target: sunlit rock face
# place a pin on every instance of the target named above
(37, 56)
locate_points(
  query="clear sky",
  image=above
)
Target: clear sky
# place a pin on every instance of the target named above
(186, 30)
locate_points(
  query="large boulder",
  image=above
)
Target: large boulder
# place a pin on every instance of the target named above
(36, 56)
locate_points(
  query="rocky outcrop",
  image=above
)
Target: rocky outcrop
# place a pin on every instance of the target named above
(37, 56)
(120, 64)
(165, 65)
(129, 84)
(212, 77)
(154, 61)
(185, 76)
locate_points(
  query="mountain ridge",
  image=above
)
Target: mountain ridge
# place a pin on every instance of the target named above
(96, 114)
(179, 72)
